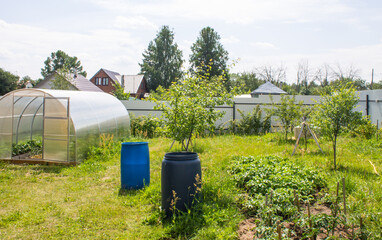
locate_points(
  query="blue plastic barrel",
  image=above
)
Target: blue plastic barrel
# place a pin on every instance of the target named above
(135, 165)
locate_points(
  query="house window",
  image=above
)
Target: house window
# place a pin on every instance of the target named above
(98, 81)
(105, 81)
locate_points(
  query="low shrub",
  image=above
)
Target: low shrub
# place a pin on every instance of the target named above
(364, 128)
(251, 123)
(144, 126)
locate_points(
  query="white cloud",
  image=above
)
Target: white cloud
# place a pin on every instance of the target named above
(239, 11)
(23, 49)
(231, 39)
(263, 45)
(134, 22)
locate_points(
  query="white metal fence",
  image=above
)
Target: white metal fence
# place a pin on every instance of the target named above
(370, 103)
(244, 104)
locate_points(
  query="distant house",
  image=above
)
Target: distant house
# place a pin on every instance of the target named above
(77, 82)
(136, 85)
(267, 89)
(105, 79)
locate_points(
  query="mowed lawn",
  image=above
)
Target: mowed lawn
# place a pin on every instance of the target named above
(85, 201)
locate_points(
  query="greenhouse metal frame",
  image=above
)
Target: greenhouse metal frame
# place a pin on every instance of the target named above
(67, 122)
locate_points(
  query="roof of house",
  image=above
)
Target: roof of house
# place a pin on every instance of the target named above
(83, 84)
(116, 77)
(132, 83)
(268, 88)
(79, 82)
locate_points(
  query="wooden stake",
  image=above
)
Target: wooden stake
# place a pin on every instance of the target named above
(297, 201)
(344, 194)
(279, 229)
(310, 220)
(271, 200)
(336, 203)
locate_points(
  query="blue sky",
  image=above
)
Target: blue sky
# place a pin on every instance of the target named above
(112, 34)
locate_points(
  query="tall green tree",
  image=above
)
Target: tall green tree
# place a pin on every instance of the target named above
(8, 82)
(209, 58)
(162, 60)
(60, 59)
(335, 112)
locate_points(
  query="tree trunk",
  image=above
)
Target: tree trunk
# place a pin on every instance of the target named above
(334, 151)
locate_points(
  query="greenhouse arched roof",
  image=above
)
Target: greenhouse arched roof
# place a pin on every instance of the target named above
(66, 122)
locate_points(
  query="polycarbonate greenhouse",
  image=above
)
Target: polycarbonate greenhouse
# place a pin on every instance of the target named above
(66, 123)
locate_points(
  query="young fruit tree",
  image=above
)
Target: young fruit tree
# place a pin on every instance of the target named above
(335, 112)
(288, 111)
(188, 107)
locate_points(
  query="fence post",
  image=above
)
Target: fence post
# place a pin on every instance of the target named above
(234, 111)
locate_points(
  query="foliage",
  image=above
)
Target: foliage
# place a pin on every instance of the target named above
(335, 112)
(162, 60)
(189, 110)
(61, 80)
(246, 81)
(287, 111)
(60, 59)
(119, 92)
(253, 122)
(143, 126)
(208, 57)
(358, 84)
(22, 83)
(34, 147)
(8, 82)
(106, 148)
(364, 128)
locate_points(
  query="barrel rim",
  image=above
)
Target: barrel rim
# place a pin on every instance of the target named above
(181, 156)
(135, 143)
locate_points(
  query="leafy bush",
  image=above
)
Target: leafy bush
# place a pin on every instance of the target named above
(144, 126)
(34, 147)
(107, 148)
(364, 128)
(253, 122)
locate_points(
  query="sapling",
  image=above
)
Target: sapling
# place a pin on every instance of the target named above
(188, 107)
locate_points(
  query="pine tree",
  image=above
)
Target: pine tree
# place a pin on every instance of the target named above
(162, 60)
(208, 57)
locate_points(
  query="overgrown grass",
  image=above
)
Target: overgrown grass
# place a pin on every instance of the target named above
(85, 201)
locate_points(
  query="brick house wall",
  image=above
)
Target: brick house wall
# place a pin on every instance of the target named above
(142, 89)
(104, 81)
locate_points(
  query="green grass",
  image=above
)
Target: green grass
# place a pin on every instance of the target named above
(85, 201)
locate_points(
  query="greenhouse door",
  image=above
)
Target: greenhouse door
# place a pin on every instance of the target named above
(56, 129)
(6, 113)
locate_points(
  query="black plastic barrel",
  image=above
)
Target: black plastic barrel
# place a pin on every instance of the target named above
(181, 181)
(135, 165)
